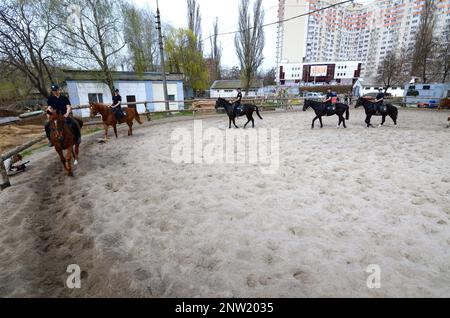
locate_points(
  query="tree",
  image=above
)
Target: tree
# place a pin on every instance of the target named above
(425, 42)
(26, 40)
(269, 77)
(233, 73)
(195, 22)
(391, 71)
(442, 61)
(142, 42)
(95, 37)
(216, 49)
(249, 41)
(183, 57)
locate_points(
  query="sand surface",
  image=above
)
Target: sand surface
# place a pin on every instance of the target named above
(138, 224)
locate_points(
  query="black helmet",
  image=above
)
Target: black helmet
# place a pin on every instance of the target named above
(116, 90)
(54, 87)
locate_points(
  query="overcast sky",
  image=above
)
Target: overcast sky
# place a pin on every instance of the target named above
(174, 12)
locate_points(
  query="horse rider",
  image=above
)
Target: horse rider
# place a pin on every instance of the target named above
(331, 99)
(237, 102)
(116, 108)
(61, 104)
(379, 100)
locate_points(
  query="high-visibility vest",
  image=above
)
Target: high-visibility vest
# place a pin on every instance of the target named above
(334, 100)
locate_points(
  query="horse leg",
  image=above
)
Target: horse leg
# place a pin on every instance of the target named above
(321, 124)
(393, 119)
(69, 161)
(382, 120)
(340, 121)
(75, 153)
(249, 118)
(105, 126)
(130, 129)
(253, 123)
(367, 121)
(234, 123)
(315, 118)
(229, 126)
(115, 130)
(61, 157)
(343, 121)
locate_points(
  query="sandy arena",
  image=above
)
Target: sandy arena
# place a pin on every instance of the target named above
(140, 225)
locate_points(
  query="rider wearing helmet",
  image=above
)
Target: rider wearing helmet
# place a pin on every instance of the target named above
(379, 100)
(116, 108)
(61, 104)
(331, 99)
(237, 102)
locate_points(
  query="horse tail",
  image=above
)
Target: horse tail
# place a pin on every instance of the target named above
(395, 112)
(138, 119)
(257, 112)
(347, 113)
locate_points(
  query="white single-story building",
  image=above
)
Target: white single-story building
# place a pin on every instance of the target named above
(395, 91)
(85, 86)
(430, 94)
(228, 88)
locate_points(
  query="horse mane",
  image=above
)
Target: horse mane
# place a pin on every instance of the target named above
(314, 102)
(102, 105)
(223, 100)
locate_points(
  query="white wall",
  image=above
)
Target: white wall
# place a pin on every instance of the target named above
(158, 95)
(397, 92)
(85, 88)
(216, 93)
(132, 88)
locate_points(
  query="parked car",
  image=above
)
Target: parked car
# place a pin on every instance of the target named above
(314, 95)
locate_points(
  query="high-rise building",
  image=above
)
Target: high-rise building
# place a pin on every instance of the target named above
(351, 32)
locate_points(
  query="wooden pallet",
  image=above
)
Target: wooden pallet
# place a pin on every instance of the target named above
(204, 104)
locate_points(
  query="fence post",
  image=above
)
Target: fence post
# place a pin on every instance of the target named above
(5, 179)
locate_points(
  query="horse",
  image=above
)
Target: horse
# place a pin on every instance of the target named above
(233, 112)
(321, 110)
(62, 138)
(109, 119)
(369, 106)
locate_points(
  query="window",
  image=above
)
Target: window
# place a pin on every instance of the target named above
(95, 98)
(426, 87)
(411, 87)
(171, 98)
(228, 90)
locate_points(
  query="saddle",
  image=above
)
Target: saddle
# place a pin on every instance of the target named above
(119, 114)
(379, 109)
(238, 109)
(330, 109)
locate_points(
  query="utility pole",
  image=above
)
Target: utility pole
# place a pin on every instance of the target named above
(161, 52)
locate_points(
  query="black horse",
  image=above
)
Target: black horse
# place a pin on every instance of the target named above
(233, 112)
(321, 109)
(385, 110)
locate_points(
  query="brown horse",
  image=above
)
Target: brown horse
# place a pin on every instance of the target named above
(62, 139)
(109, 119)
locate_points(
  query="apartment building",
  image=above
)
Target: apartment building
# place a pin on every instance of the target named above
(364, 32)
